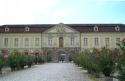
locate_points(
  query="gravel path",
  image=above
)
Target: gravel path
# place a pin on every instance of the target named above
(48, 72)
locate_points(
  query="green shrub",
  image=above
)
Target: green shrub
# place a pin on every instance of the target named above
(106, 64)
(1, 63)
(21, 61)
(29, 60)
(35, 59)
(121, 76)
(12, 61)
(121, 61)
(41, 59)
(16, 60)
(96, 61)
(49, 59)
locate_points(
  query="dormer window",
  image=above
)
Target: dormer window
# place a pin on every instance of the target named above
(117, 28)
(27, 28)
(6, 29)
(96, 28)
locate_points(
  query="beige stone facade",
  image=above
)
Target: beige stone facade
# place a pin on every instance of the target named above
(60, 38)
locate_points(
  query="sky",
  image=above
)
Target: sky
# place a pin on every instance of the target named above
(61, 11)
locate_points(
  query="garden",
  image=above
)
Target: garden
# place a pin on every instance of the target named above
(17, 60)
(103, 63)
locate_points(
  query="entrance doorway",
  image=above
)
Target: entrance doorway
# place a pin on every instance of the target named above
(60, 42)
(62, 57)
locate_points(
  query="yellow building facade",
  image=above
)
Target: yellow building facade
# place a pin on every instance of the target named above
(60, 37)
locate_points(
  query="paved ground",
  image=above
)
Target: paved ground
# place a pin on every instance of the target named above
(47, 72)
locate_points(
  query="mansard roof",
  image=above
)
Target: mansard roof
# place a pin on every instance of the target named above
(39, 28)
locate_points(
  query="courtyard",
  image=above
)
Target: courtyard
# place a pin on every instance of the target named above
(48, 72)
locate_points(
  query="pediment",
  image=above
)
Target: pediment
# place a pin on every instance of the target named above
(61, 28)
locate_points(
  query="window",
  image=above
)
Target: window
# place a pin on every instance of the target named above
(5, 41)
(85, 41)
(27, 29)
(96, 41)
(117, 28)
(36, 41)
(117, 40)
(107, 42)
(49, 41)
(16, 42)
(72, 40)
(6, 29)
(26, 42)
(96, 28)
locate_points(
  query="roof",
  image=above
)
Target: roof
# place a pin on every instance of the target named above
(39, 28)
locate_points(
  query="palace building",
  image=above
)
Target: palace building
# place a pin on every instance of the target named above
(60, 38)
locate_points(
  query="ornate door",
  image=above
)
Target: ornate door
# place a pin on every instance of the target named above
(60, 42)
